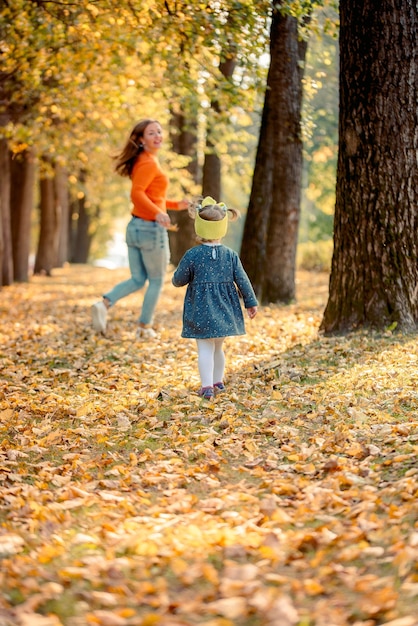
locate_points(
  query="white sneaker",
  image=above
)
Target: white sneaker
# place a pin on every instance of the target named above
(145, 333)
(99, 316)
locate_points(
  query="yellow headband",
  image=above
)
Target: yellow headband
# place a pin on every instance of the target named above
(207, 229)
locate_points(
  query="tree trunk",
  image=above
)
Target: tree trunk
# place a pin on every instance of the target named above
(269, 242)
(211, 181)
(6, 258)
(21, 199)
(254, 238)
(63, 207)
(183, 133)
(47, 253)
(212, 171)
(282, 234)
(374, 274)
(79, 225)
(81, 240)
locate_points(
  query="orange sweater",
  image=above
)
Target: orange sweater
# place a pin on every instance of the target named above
(149, 187)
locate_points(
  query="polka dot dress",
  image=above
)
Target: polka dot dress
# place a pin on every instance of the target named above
(214, 276)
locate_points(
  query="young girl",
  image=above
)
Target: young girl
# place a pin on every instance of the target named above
(212, 311)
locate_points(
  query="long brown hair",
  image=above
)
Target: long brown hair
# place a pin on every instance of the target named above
(126, 158)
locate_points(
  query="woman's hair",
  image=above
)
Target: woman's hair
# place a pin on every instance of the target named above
(126, 158)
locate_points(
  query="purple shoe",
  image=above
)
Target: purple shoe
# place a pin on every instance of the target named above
(206, 393)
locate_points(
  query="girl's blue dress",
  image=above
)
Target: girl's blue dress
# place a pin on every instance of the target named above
(213, 275)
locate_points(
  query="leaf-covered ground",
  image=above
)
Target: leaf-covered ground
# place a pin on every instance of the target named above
(126, 500)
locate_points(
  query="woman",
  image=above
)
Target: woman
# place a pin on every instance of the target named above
(146, 233)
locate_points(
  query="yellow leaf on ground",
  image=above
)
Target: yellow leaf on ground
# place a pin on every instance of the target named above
(10, 544)
(232, 608)
(34, 619)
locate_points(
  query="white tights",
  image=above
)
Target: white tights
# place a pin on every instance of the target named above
(211, 360)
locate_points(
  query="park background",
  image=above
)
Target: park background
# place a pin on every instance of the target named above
(84, 78)
(291, 500)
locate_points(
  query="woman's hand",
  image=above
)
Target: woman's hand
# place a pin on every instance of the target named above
(184, 204)
(163, 219)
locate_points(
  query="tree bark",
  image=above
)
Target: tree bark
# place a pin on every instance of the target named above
(63, 207)
(269, 244)
(254, 238)
(81, 241)
(6, 258)
(80, 219)
(374, 274)
(183, 133)
(211, 180)
(212, 170)
(47, 253)
(21, 199)
(82, 238)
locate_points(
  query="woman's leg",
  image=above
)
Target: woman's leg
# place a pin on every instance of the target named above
(148, 254)
(136, 264)
(155, 261)
(205, 361)
(136, 282)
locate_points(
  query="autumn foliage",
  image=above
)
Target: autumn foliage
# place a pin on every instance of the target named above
(126, 500)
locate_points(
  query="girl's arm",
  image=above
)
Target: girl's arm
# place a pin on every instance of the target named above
(183, 274)
(244, 285)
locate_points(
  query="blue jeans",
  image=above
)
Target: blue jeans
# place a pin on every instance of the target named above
(148, 254)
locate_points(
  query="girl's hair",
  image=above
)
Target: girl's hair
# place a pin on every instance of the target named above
(126, 158)
(212, 212)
